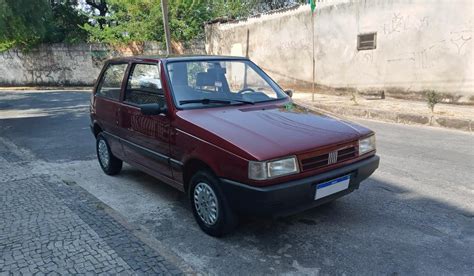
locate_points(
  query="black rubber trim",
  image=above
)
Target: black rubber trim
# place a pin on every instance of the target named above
(293, 196)
(150, 153)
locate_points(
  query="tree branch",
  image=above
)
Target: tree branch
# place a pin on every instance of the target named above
(103, 9)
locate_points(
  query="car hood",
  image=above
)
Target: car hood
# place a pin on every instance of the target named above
(265, 132)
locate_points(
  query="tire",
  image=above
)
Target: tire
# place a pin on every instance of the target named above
(110, 164)
(206, 195)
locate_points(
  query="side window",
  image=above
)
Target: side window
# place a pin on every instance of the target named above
(111, 81)
(144, 85)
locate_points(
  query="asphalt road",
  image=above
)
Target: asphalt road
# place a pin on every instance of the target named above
(415, 215)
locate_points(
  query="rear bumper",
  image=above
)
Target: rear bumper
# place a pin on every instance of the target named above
(294, 196)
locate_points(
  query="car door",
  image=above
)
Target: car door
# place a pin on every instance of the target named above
(146, 137)
(107, 103)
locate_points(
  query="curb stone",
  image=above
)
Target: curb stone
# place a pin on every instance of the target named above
(62, 228)
(395, 117)
(172, 263)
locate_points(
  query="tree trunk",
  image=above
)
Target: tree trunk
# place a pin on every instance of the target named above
(101, 6)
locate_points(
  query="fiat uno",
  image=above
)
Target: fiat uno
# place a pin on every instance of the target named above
(222, 131)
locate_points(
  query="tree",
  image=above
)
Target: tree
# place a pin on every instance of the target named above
(23, 23)
(66, 22)
(128, 21)
(141, 20)
(26, 23)
(102, 7)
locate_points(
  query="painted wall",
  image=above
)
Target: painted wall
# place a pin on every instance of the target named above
(68, 65)
(423, 44)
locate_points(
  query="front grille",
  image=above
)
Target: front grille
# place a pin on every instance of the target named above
(322, 160)
(315, 162)
(345, 154)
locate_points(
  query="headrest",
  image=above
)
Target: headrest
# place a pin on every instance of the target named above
(206, 79)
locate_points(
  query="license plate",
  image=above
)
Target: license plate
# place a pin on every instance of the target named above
(332, 186)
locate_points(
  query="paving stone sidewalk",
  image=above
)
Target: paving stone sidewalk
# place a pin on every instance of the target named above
(52, 227)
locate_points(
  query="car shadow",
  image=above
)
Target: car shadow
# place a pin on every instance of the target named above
(381, 227)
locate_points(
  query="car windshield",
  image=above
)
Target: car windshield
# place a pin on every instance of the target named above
(216, 83)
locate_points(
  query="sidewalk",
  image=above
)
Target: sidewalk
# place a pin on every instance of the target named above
(48, 226)
(392, 110)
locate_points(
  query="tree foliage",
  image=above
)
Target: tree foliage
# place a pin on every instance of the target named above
(26, 23)
(127, 21)
(141, 20)
(23, 22)
(66, 23)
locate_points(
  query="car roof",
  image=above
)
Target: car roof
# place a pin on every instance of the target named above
(173, 58)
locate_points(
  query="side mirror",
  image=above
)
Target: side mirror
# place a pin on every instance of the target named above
(152, 109)
(289, 92)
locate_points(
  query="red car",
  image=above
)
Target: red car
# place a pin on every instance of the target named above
(222, 131)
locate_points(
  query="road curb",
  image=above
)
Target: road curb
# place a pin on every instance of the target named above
(139, 231)
(394, 117)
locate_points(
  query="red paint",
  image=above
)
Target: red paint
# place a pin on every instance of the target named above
(224, 138)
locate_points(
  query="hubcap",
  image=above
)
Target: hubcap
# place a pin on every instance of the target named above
(205, 201)
(103, 153)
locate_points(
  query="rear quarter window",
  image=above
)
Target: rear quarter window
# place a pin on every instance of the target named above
(111, 82)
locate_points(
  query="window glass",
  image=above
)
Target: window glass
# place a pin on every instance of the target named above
(236, 82)
(111, 82)
(144, 85)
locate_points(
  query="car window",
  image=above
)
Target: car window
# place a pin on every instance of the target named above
(144, 85)
(230, 80)
(111, 82)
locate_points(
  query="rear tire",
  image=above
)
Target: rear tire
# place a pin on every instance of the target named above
(210, 207)
(110, 164)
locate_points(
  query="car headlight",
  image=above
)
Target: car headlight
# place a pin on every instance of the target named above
(272, 169)
(367, 145)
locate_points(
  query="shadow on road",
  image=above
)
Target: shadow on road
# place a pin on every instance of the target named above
(385, 227)
(379, 228)
(54, 126)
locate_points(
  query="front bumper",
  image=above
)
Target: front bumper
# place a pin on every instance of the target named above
(294, 196)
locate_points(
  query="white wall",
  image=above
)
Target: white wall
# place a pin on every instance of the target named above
(61, 64)
(424, 44)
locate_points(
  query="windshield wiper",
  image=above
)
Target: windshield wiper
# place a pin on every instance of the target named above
(242, 101)
(205, 101)
(211, 101)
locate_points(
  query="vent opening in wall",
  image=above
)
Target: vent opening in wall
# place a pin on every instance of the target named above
(367, 41)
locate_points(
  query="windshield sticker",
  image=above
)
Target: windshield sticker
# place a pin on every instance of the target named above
(218, 84)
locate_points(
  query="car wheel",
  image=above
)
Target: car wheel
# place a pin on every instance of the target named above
(210, 208)
(110, 164)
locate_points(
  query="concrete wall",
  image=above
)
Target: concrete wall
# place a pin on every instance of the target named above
(69, 65)
(423, 44)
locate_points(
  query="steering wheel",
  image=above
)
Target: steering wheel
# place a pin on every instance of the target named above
(246, 91)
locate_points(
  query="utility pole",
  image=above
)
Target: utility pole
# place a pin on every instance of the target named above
(164, 8)
(314, 59)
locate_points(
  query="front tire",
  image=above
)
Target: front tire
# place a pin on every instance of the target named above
(110, 164)
(210, 208)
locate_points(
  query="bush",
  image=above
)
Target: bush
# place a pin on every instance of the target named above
(432, 99)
